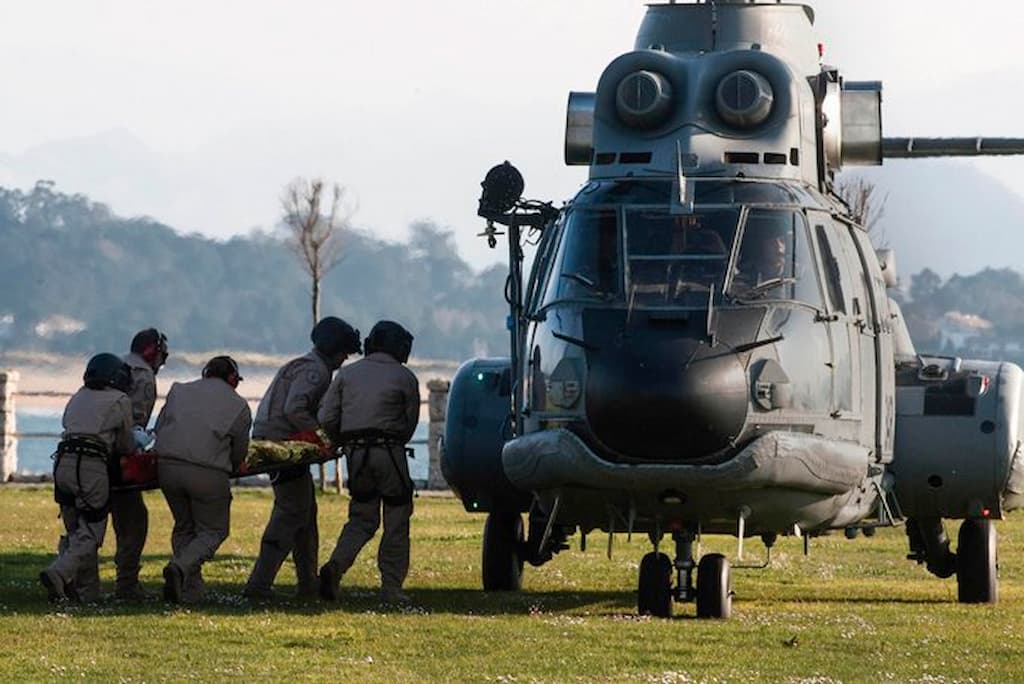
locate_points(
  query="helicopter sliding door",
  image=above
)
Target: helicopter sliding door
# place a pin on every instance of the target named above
(885, 376)
(843, 333)
(861, 326)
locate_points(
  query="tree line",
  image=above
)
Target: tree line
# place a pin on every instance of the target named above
(67, 258)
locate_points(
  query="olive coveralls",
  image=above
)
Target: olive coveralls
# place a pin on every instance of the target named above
(376, 393)
(290, 406)
(127, 509)
(202, 436)
(82, 483)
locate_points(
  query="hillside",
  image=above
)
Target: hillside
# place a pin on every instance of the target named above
(77, 277)
(949, 216)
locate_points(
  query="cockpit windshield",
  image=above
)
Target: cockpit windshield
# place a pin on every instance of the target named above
(676, 260)
(627, 249)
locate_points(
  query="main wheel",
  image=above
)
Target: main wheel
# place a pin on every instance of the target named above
(502, 554)
(654, 589)
(714, 587)
(976, 562)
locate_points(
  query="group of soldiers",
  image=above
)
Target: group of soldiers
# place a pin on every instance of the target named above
(370, 408)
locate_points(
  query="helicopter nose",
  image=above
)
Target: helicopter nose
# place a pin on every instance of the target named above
(675, 401)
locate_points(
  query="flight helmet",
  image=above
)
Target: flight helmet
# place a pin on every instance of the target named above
(391, 338)
(108, 370)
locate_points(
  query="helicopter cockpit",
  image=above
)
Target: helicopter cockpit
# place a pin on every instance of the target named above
(624, 244)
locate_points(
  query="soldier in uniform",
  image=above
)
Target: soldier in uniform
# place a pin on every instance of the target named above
(97, 432)
(127, 508)
(202, 436)
(288, 411)
(372, 407)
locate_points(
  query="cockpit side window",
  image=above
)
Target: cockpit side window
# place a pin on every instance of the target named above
(587, 262)
(542, 263)
(774, 260)
(832, 279)
(676, 260)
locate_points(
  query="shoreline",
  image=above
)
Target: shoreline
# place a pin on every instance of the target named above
(47, 381)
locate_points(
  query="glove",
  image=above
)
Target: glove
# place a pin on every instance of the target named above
(312, 438)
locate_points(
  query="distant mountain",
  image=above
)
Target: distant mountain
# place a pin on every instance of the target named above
(113, 167)
(949, 216)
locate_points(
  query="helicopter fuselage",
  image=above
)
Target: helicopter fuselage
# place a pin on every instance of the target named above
(694, 367)
(705, 343)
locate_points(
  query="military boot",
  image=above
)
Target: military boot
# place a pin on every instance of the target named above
(254, 593)
(174, 580)
(133, 593)
(330, 578)
(393, 596)
(56, 588)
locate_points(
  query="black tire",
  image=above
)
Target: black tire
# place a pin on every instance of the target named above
(714, 587)
(654, 588)
(977, 563)
(503, 552)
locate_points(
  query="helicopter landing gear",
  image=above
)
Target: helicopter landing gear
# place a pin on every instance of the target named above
(929, 545)
(654, 594)
(976, 562)
(503, 552)
(712, 591)
(714, 587)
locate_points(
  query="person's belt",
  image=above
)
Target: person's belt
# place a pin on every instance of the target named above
(83, 446)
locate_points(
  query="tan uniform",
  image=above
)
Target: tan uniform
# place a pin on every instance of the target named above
(375, 393)
(202, 435)
(289, 406)
(82, 482)
(127, 508)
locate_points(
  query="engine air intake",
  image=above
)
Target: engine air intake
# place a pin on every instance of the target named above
(644, 99)
(744, 98)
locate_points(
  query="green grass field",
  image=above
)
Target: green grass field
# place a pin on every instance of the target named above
(853, 611)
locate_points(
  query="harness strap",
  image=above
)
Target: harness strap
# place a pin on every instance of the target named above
(361, 442)
(80, 448)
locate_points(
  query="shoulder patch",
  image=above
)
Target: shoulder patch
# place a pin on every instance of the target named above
(314, 376)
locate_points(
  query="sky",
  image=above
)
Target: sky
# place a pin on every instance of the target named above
(197, 113)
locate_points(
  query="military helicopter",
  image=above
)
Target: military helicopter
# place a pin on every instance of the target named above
(704, 343)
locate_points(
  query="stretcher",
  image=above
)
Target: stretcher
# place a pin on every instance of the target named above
(265, 457)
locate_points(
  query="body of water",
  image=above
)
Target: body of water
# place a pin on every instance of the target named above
(34, 453)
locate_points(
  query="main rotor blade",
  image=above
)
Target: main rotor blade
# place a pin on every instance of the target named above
(918, 148)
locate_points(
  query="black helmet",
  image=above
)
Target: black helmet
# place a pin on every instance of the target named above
(391, 338)
(223, 367)
(333, 336)
(144, 340)
(107, 370)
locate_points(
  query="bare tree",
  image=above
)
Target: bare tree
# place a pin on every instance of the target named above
(867, 207)
(315, 237)
(314, 234)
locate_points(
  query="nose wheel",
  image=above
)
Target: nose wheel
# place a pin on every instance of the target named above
(712, 592)
(714, 587)
(654, 594)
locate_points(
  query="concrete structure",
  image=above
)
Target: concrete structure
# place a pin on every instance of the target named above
(437, 406)
(8, 427)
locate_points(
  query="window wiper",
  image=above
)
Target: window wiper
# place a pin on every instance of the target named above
(582, 280)
(764, 287)
(586, 282)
